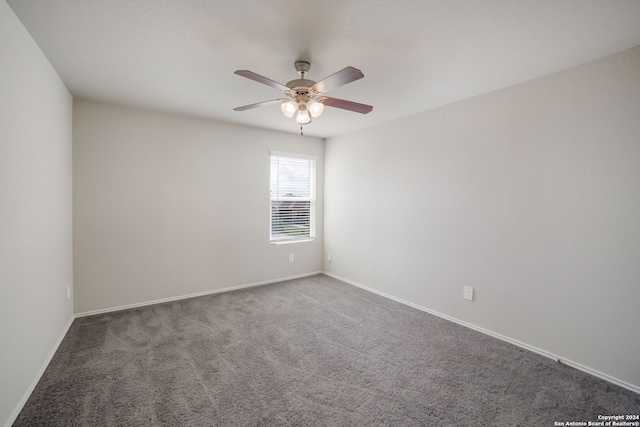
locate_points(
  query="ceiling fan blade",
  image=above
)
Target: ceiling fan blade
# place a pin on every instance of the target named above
(260, 79)
(258, 104)
(347, 105)
(342, 77)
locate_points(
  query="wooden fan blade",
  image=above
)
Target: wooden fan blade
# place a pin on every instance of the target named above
(342, 77)
(258, 104)
(347, 105)
(260, 79)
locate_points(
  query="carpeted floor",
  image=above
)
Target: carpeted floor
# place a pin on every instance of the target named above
(306, 352)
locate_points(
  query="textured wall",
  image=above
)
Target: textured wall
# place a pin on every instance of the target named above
(166, 205)
(35, 212)
(530, 194)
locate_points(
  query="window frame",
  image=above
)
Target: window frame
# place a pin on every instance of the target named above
(279, 240)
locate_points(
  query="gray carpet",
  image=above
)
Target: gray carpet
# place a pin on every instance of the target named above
(306, 352)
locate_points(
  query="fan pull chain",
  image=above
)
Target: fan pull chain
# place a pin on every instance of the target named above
(301, 133)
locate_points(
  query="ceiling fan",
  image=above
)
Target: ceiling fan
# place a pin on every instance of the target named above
(306, 97)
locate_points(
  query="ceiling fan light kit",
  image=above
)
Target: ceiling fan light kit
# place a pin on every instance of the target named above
(305, 97)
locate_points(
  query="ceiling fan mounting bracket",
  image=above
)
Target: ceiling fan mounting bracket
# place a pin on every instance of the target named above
(302, 67)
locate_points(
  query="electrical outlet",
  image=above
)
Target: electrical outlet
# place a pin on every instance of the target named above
(68, 292)
(467, 293)
(290, 257)
(329, 257)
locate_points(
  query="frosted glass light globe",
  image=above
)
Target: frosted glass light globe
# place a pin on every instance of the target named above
(315, 108)
(289, 108)
(303, 117)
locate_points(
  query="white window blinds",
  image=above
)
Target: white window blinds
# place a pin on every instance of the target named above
(293, 190)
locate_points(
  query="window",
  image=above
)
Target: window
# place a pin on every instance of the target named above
(293, 197)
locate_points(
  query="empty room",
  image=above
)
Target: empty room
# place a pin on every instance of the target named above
(301, 213)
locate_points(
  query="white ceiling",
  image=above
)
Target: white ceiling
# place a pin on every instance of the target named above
(179, 56)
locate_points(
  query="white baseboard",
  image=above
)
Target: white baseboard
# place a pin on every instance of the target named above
(198, 294)
(34, 383)
(520, 344)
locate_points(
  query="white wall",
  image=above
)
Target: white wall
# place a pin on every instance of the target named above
(529, 194)
(35, 212)
(167, 205)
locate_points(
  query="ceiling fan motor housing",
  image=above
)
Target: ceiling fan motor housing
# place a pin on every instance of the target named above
(300, 83)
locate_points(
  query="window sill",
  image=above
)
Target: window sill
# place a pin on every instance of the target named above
(287, 242)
